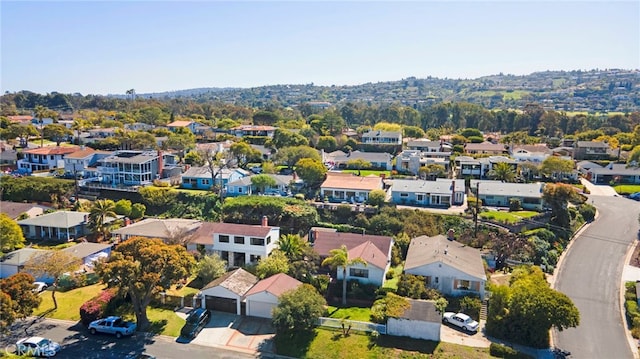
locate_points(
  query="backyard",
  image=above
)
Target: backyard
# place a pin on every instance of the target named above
(507, 217)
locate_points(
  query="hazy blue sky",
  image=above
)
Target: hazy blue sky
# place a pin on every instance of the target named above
(109, 47)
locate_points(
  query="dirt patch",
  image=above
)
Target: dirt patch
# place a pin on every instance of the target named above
(635, 258)
(500, 278)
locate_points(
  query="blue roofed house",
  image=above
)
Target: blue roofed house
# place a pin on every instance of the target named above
(498, 193)
(439, 193)
(244, 187)
(200, 177)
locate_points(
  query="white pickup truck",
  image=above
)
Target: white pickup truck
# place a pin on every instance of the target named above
(112, 325)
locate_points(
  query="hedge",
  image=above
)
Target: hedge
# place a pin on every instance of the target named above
(98, 306)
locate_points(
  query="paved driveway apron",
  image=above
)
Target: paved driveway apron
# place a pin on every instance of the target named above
(243, 333)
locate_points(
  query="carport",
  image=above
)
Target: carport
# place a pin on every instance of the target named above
(226, 294)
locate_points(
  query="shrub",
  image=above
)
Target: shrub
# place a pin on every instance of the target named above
(514, 205)
(588, 212)
(502, 351)
(97, 306)
(390, 273)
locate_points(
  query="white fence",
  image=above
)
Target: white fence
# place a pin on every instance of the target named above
(355, 325)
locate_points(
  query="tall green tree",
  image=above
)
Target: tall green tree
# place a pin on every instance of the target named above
(56, 133)
(262, 181)
(311, 171)
(41, 113)
(556, 166)
(557, 196)
(276, 262)
(339, 260)
(291, 245)
(243, 154)
(101, 210)
(52, 264)
(291, 155)
(11, 236)
(502, 171)
(432, 171)
(22, 132)
(211, 267)
(144, 267)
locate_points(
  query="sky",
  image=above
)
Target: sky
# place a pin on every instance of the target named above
(95, 47)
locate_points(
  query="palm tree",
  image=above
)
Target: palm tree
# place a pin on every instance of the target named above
(340, 258)
(41, 112)
(291, 245)
(100, 210)
(502, 171)
(79, 125)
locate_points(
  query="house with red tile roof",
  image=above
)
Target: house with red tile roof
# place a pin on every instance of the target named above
(263, 297)
(191, 125)
(45, 158)
(374, 250)
(253, 130)
(339, 187)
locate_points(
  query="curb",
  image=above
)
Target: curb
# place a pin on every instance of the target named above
(633, 343)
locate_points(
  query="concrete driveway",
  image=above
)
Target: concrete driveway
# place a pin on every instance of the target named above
(245, 334)
(599, 189)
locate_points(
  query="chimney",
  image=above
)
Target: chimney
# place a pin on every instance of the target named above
(160, 164)
(127, 221)
(451, 235)
(86, 218)
(265, 221)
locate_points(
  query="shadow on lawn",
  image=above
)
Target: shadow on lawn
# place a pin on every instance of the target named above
(407, 344)
(295, 345)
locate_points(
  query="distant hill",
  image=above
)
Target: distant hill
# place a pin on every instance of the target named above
(595, 90)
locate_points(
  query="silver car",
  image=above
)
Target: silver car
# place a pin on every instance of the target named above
(38, 347)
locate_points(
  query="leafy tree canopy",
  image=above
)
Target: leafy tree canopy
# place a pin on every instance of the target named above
(11, 236)
(298, 310)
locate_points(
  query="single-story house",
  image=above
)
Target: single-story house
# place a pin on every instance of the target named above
(200, 177)
(13, 262)
(374, 250)
(253, 130)
(348, 187)
(448, 266)
(88, 252)
(227, 293)
(15, 209)
(60, 225)
(498, 193)
(382, 137)
(263, 297)
(190, 125)
(244, 186)
(530, 153)
(427, 145)
(420, 321)
(340, 160)
(617, 172)
(165, 229)
(439, 193)
(485, 148)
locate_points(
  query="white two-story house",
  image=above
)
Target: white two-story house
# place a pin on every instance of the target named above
(45, 158)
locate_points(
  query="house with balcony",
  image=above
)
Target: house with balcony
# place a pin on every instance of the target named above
(244, 187)
(468, 167)
(45, 158)
(382, 137)
(426, 145)
(412, 160)
(135, 168)
(253, 130)
(190, 125)
(590, 150)
(201, 178)
(530, 153)
(451, 267)
(83, 162)
(339, 187)
(441, 193)
(238, 244)
(498, 193)
(340, 160)
(374, 250)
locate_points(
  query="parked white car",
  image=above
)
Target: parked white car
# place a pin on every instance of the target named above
(39, 287)
(37, 347)
(112, 325)
(461, 320)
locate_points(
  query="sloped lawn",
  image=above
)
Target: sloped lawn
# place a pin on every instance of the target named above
(68, 302)
(350, 313)
(507, 217)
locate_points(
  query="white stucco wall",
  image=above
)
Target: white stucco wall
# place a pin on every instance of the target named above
(219, 291)
(376, 275)
(413, 329)
(263, 297)
(446, 276)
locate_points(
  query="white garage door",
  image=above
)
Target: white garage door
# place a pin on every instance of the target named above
(261, 309)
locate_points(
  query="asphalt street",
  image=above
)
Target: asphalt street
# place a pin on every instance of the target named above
(591, 276)
(78, 343)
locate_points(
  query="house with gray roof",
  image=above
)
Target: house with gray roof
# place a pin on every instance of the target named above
(88, 252)
(426, 145)
(448, 266)
(135, 168)
(485, 148)
(412, 160)
(165, 229)
(200, 177)
(498, 193)
(340, 160)
(382, 137)
(616, 172)
(590, 150)
(14, 262)
(227, 293)
(15, 209)
(61, 226)
(439, 193)
(420, 321)
(244, 187)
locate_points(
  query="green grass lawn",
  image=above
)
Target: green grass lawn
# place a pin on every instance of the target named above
(627, 188)
(351, 313)
(68, 302)
(330, 344)
(163, 321)
(369, 172)
(393, 282)
(507, 217)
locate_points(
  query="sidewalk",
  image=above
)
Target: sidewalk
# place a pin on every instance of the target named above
(599, 190)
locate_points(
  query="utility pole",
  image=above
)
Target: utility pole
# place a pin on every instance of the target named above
(477, 214)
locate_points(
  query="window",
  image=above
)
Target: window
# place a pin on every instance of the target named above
(358, 272)
(420, 198)
(254, 258)
(462, 284)
(238, 240)
(257, 241)
(268, 240)
(404, 194)
(206, 181)
(224, 239)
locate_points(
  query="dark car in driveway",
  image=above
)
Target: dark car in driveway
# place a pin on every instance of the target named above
(196, 320)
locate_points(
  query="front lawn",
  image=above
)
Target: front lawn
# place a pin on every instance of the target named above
(68, 302)
(627, 188)
(393, 282)
(163, 321)
(328, 344)
(364, 173)
(350, 313)
(507, 217)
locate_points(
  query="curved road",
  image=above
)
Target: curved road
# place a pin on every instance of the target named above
(591, 274)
